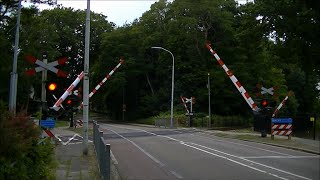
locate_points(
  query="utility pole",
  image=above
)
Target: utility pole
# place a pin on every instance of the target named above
(86, 82)
(209, 96)
(43, 85)
(14, 75)
(123, 105)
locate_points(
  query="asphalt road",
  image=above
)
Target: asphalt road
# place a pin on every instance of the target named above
(154, 153)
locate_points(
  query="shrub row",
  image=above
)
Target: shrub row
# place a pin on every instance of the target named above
(21, 156)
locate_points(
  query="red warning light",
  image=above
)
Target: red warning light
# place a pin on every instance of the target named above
(52, 86)
(69, 101)
(264, 103)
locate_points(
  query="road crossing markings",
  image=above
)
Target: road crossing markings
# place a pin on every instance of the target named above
(224, 157)
(57, 136)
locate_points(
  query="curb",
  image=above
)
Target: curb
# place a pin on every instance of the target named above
(277, 145)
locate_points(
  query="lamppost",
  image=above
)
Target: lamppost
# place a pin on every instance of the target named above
(172, 83)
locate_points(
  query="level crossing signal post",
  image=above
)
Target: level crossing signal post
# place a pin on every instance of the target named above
(264, 117)
(190, 113)
(266, 107)
(48, 88)
(71, 106)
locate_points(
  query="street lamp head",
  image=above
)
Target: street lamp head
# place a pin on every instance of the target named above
(156, 47)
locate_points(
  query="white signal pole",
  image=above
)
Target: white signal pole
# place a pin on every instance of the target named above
(86, 82)
(43, 85)
(14, 75)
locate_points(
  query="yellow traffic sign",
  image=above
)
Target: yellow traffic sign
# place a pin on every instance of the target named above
(311, 118)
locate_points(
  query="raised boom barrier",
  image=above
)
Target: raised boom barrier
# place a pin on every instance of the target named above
(235, 81)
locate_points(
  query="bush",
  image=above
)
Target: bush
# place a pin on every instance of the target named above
(21, 157)
(231, 121)
(202, 120)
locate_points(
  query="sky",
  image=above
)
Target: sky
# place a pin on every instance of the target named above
(118, 11)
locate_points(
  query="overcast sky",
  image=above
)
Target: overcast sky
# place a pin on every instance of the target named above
(117, 11)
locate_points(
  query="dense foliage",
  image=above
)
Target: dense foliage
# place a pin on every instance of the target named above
(21, 156)
(268, 42)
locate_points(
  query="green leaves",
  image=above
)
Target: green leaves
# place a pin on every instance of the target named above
(270, 42)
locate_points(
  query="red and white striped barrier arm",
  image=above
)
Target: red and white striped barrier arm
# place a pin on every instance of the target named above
(103, 81)
(184, 103)
(49, 133)
(280, 106)
(49, 66)
(55, 98)
(56, 106)
(235, 81)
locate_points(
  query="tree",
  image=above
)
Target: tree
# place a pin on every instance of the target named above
(59, 32)
(294, 28)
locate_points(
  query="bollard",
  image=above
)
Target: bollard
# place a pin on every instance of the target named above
(94, 132)
(96, 136)
(99, 145)
(107, 162)
(104, 159)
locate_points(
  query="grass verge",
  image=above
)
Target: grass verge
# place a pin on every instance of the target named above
(93, 163)
(62, 123)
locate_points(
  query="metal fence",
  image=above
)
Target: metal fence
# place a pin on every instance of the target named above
(102, 151)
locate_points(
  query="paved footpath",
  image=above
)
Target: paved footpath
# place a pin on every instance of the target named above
(72, 164)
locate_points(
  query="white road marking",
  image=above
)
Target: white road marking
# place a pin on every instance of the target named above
(70, 139)
(146, 153)
(234, 161)
(270, 167)
(186, 144)
(276, 152)
(245, 145)
(140, 148)
(279, 157)
(113, 158)
(176, 175)
(219, 140)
